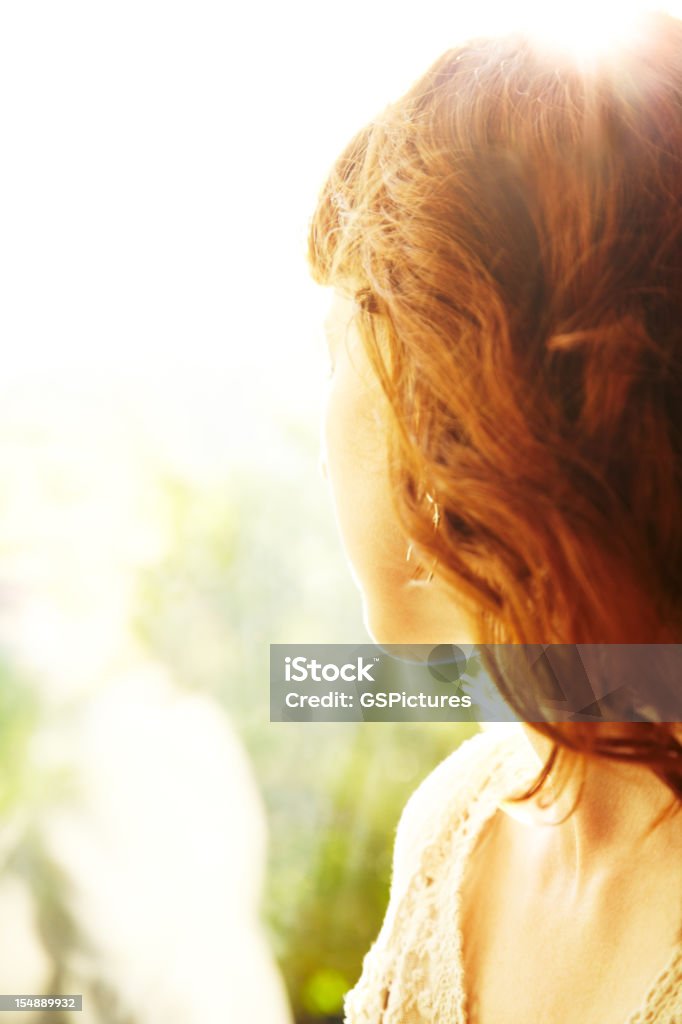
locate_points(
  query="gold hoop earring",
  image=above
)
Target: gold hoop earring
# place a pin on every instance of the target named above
(435, 517)
(417, 576)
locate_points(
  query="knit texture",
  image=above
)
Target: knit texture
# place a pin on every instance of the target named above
(413, 972)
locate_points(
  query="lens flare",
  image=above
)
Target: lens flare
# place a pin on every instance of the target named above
(583, 30)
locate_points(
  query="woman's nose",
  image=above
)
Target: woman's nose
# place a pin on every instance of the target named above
(322, 466)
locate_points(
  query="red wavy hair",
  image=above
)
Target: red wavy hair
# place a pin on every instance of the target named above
(512, 232)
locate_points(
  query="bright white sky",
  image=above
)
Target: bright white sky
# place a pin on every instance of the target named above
(160, 161)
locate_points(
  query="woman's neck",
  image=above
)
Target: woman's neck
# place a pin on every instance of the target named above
(606, 813)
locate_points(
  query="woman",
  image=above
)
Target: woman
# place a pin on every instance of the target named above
(504, 446)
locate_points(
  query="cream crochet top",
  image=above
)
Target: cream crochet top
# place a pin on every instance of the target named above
(413, 972)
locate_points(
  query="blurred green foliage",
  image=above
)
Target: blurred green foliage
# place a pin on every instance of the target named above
(255, 560)
(246, 558)
(19, 712)
(30, 784)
